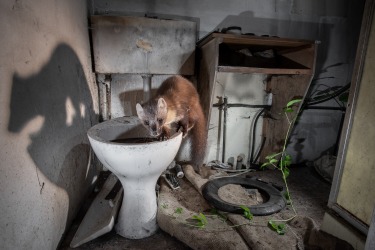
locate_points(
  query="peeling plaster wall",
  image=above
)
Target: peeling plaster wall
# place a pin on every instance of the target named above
(335, 23)
(48, 101)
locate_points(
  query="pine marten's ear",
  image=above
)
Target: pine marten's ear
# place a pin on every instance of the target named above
(140, 112)
(162, 107)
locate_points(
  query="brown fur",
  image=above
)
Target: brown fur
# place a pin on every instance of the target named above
(177, 103)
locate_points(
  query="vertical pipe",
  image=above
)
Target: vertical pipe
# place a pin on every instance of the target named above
(102, 101)
(107, 83)
(250, 159)
(104, 85)
(225, 108)
(146, 87)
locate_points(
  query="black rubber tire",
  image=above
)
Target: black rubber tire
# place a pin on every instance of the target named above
(274, 204)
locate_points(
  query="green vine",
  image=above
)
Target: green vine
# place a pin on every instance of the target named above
(199, 220)
(281, 161)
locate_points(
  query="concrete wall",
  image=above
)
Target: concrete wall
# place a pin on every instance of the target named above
(335, 23)
(47, 103)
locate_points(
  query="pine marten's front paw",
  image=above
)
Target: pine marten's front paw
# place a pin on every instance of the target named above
(183, 127)
(184, 132)
(163, 137)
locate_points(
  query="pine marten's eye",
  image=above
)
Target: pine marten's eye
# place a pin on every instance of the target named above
(146, 123)
(160, 120)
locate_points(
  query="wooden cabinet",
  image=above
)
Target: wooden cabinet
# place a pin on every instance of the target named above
(287, 64)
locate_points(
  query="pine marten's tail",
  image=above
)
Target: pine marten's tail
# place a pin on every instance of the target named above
(199, 141)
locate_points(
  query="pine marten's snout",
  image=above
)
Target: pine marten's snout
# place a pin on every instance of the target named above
(155, 130)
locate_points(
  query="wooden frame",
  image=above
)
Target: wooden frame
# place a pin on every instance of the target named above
(292, 67)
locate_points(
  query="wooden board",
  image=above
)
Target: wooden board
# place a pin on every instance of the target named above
(271, 71)
(257, 40)
(275, 124)
(207, 76)
(102, 214)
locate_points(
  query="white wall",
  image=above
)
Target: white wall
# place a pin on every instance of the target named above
(335, 23)
(47, 102)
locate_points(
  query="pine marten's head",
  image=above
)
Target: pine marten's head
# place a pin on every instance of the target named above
(153, 115)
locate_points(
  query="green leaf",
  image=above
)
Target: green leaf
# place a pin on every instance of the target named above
(246, 213)
(273, 161)
(286, 172)
(292, 102)
(265, 165)
(201, 220)
(178, 210)
(245, 208)
(268, 157)
(288, 110)
(288, 107)
(286, 160)
(278, 227)
(200, 217)
(272, 224)
(196, 217)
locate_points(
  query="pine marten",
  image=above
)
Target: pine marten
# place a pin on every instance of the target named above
(176, 104)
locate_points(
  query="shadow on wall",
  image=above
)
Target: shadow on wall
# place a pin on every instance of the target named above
(60, 94)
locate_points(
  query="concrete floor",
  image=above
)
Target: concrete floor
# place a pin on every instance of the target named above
(308, 190)
(112, 241)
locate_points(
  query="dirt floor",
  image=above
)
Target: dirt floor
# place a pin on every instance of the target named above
(308, 191)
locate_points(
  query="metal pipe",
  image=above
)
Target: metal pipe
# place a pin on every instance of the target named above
(104, 87)
(259, 150)
(250, 158)
(107, 82)
(240, 105)
(146, 87)
(225, 108)
(102, 102)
